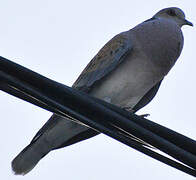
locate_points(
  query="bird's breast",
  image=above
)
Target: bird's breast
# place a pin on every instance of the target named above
(161, 41)
(128, 83)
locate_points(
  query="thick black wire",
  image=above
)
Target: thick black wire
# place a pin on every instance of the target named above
(102, 127)
(86, 106)
(28, 76)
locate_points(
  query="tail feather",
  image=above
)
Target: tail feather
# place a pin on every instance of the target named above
(56, 133)
(28, 158)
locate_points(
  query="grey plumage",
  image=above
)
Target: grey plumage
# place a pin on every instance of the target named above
(127, 72)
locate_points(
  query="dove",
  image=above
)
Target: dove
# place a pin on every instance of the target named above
(126, 72)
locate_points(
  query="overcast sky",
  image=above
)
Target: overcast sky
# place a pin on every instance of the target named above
(57, 39)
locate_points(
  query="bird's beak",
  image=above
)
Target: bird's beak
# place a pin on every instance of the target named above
(188, 23)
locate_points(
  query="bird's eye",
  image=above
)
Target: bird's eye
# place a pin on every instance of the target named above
(171, 12)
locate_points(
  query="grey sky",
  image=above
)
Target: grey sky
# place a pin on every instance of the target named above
(57, 39)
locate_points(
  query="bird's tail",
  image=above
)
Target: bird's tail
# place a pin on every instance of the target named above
(56, 133)
(29, 157)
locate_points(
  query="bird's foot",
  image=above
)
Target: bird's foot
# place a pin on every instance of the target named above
(131, 110)
(144, 115)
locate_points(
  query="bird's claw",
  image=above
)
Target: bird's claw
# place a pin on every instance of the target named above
(144, 115)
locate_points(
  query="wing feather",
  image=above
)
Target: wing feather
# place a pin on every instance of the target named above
(106, 60)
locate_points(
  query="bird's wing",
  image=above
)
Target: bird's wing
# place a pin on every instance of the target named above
(106, 60)
(90, 132)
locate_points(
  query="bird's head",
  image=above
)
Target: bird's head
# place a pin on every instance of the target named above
(174, 14)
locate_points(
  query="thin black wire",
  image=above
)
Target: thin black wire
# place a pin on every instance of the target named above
(29, 77)
(107, 130)
(176, 138)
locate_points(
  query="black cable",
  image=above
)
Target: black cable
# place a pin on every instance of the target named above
(106, 129)
(52, 92)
